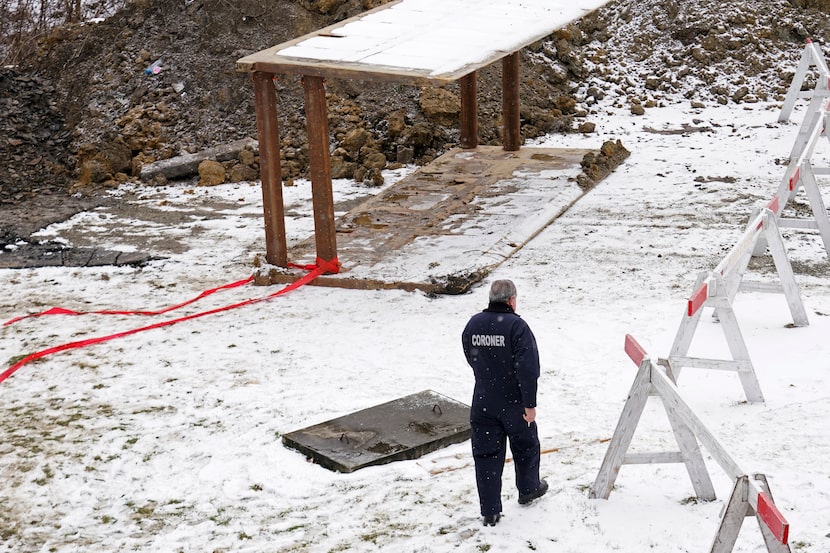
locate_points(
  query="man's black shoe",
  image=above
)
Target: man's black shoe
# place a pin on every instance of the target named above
(492, 520)
(535, 494)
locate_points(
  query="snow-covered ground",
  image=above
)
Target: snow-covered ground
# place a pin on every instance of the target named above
(169, 440)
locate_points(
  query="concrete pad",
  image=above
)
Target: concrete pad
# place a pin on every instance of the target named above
(399, 430)
(447, 225)
(53, 254)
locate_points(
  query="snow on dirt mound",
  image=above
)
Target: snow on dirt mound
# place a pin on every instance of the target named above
(119, 118)
(704, 51)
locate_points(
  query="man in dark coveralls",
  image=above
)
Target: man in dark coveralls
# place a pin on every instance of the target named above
(501, 349)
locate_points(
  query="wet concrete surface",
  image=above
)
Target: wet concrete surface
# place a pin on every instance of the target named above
(402, 429)
(20, 220)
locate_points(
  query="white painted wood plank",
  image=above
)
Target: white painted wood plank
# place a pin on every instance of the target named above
(623, 434)
(433, 37)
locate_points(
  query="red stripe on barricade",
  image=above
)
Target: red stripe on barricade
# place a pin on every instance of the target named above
(634, 350)
(322, 267)
(64, 311)
(794, 180)
(773, 205)
(698, 298)
(773, 518)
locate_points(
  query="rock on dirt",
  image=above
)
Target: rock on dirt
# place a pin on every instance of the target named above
(34, 139)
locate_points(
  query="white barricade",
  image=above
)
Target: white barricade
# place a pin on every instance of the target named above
(810, 57)
(750, 497)
(800, 171)
(718, 289)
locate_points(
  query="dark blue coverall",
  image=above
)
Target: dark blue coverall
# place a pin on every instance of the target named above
(501, 349)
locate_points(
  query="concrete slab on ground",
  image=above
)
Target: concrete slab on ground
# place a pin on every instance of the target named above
(447, 225)
(403, 429)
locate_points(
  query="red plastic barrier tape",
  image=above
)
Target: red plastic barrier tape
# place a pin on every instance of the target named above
(332, 266)
(64, 311)
(634, 350)
(321, 268)
(773, 518)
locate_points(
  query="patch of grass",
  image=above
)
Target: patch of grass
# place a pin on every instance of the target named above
(372, 537)
(69, 420)
(48, 474)
(155, 409)
(145, 511)
(31, 444)
(6, 533)
(175, 508)
(220, 519)
(17, 358)
(107, 460)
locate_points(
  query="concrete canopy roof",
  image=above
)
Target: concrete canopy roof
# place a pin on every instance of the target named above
(420, 41)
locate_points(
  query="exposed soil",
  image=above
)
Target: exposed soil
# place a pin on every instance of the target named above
(82, 114)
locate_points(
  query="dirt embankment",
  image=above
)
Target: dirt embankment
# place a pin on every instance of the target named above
(122, 117)
(83, 113)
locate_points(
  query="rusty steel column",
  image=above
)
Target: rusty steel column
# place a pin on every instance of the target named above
(469, 110)
(276, 251)
(317, 127)
(511, 124)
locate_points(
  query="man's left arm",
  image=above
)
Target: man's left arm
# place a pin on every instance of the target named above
(526, 363)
